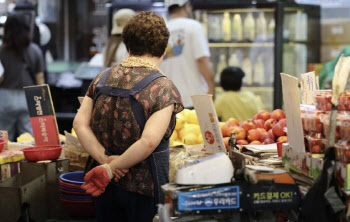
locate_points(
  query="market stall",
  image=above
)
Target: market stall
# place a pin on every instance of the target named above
(260, 188)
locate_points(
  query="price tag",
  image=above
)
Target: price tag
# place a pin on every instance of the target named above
(308, 86)
(317, 83)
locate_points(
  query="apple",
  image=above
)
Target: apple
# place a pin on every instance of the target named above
(269, 124)
(242, 142)
(319, 127)
(248, 125)
(261, 130)
(224, 129)
(278, 130)
(268, 141)
(226, 139)
(264, 115)
(272, 136)
(282, 139)
(278, 114)
(239, 131)
(232, 121)
(283, 122)
(255, 142)
(230, 130)
(253, 134)
(316, 149)
(259, 123)
(264, 136)
(255, 117)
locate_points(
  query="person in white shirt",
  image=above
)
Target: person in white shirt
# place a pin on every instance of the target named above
(115, 50)
(187, 62)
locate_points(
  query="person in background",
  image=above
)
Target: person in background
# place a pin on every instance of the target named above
(115, 50)
(233, 102)
(186, 61)
(130, 125)
(23, 65)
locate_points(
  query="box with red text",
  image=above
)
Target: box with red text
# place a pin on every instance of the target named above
(42, 115)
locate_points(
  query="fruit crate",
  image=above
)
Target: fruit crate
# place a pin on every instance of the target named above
(323, 100)
(316, 143)
(342, 152)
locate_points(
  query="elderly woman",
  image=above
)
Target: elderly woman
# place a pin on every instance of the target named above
(124, 123)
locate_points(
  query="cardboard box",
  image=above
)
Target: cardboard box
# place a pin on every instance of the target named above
(331, 51)
(299, 162)
(9, 170)
(209, 124)
(342, 174)
(316, 165)
(335, 31)
(42, 115)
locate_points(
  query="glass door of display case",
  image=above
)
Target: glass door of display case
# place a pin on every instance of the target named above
(259, 39)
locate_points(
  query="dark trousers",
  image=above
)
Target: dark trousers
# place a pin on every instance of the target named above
(118, 205)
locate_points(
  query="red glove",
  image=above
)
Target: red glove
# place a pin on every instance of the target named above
(97, 180)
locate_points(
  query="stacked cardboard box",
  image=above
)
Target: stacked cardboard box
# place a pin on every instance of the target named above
(335, 36)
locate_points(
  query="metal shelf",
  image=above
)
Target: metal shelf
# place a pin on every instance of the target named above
(243, 44)
(238, 10)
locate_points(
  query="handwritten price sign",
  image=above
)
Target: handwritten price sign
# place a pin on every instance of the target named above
(308, 86)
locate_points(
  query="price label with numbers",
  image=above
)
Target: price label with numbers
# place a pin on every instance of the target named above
(308, 86)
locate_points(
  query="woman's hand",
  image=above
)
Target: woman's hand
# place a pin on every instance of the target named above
(117, 173)
(97, 179)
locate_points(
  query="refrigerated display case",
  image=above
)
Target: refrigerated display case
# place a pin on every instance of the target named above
(264, 38)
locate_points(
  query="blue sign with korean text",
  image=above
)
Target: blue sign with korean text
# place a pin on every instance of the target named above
(209, 199)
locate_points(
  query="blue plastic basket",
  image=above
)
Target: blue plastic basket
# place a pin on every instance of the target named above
(76, 177)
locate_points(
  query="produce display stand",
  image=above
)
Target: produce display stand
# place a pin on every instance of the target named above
(33, 194)
(257, 194)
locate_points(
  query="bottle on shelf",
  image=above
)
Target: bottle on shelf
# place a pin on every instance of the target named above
(271, 29)
(236, 31)
(292, 27)
(220, 66)
(247, 68)
(226, 27)
(259, 71)
(205, 23)
(234, 60)
(249, 27)
(261, 27)
(214, 28)
(301, 28)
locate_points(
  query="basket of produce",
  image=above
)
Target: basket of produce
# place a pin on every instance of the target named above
(43, 152)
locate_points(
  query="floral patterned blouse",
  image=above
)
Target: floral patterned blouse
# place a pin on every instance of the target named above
(114, 123)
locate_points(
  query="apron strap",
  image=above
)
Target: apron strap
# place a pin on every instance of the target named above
(135, 105)
(101, 83)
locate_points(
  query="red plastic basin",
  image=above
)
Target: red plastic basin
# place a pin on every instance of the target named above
(44, 152)
(69, 185)
(72, 193)
(79, 208)
(2, 144)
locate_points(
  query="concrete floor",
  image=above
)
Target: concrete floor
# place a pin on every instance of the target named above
(75, 220)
